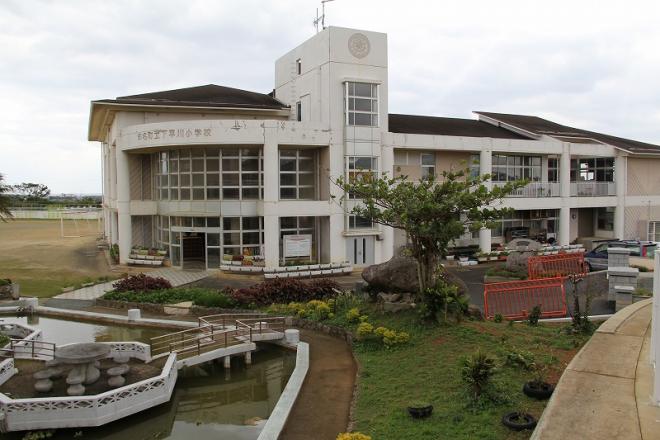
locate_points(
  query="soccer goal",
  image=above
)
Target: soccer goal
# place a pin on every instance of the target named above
(80, 222)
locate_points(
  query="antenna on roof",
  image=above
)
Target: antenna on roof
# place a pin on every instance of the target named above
(321, 19)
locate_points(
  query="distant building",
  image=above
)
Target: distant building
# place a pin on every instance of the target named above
(209, 172)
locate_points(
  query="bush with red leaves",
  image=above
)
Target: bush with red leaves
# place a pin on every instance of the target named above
(141, 283)
(284, 291)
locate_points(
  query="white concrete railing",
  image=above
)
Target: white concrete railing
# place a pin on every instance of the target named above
(80, 411)
(593, 189)
(655, 329)
(7, 370)
(534, 189)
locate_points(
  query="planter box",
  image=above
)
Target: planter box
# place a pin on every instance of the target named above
(637, 298)
(450, 258)
(10, 291)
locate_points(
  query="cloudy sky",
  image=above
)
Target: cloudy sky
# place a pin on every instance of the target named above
(591, 64)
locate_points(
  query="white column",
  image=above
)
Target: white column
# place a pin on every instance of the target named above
(271, 195)
(486, 167)
(620, 178)
(337, 239)
(565, 192)
(123, 206)
(387, 239)
(114, 228)
(655, 330)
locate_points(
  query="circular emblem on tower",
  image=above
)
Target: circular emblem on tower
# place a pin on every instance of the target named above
(359, 45)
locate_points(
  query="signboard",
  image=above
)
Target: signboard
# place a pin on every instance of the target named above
(298, 245)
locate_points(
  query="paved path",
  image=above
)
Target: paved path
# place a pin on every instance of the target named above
(175, 276)
(322, 408)
(605, 391)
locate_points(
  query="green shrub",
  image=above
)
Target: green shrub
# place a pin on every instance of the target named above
(498, 318)
(534, 316)
(506, 273)
(519, 358)
(643, 291)
(477, 371)
(213, 299)
(364, 330)
(353, 315)
(5, 282)
(199, 296)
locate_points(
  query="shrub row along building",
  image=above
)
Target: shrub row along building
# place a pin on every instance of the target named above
(212, 172)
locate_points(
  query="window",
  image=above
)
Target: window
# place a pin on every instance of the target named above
(553, 169)
(357, 222)
(209, 174)
(298, 174)
(539, 222)
(361, 104)
(361, 168)
(428, 165)
(475, 169)
(654, 231)
(298, 226)
(510, 168)
(599, 169)
(298, 66)
(299, 111)
(605, 219)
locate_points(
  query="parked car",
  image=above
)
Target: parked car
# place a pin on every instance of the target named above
(597, 258)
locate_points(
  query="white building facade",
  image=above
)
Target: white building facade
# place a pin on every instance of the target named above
(208, 173)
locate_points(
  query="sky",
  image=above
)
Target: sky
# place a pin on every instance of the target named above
(588, 64)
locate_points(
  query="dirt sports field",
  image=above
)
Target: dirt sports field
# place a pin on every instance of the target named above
(33, 254)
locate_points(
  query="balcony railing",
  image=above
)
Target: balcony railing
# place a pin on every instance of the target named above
(593, 189)
(534, 189)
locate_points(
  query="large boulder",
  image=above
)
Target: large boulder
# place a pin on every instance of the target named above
(397, 274)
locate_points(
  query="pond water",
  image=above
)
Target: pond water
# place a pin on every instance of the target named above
(209, 402)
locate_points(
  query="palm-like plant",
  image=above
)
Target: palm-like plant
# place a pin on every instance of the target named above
(4, 200)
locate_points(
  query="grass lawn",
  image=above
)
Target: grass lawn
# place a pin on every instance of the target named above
(35, 256)
(428, 368)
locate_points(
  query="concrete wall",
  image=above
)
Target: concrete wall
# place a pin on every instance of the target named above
(643, 176)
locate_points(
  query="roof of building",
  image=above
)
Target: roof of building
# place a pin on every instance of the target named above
(414, 124)
(540, 126)
(210, 95)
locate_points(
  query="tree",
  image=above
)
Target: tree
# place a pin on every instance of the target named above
(30, 192)
(4, 200)
(432, 212)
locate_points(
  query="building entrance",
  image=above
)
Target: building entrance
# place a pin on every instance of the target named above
(193, 250)
(360, 250)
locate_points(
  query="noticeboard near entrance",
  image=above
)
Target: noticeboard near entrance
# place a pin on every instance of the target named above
(298, 245)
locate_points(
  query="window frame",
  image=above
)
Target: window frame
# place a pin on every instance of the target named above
(373, 99)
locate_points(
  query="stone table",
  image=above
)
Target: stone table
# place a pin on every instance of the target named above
(82, 356)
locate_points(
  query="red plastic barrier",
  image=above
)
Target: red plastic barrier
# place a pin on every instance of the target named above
(560, 265)
(516, 299)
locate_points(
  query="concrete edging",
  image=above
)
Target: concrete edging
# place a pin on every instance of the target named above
(280, 413)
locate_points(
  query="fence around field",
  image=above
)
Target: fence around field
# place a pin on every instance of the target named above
(560, 265)
(516, 299)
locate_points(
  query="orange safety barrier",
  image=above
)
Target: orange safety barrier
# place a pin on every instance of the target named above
(516, 299)
(546, 266)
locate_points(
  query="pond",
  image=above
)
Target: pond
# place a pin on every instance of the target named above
(209, 402)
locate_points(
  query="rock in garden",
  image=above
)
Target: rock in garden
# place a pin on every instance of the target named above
(475, 313)
(396, 274)
(389, 297)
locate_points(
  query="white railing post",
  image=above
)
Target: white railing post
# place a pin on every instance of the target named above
(655, 329)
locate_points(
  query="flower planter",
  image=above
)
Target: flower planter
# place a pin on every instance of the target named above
(450, 258)
(519, 421)
(493, 258)
(162, 253)
(482, 259)
(538, 390)
(420, 412)
(637, 298)
(463, 259)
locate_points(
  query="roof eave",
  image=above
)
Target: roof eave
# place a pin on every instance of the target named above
(504, 125)
(94, 132)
